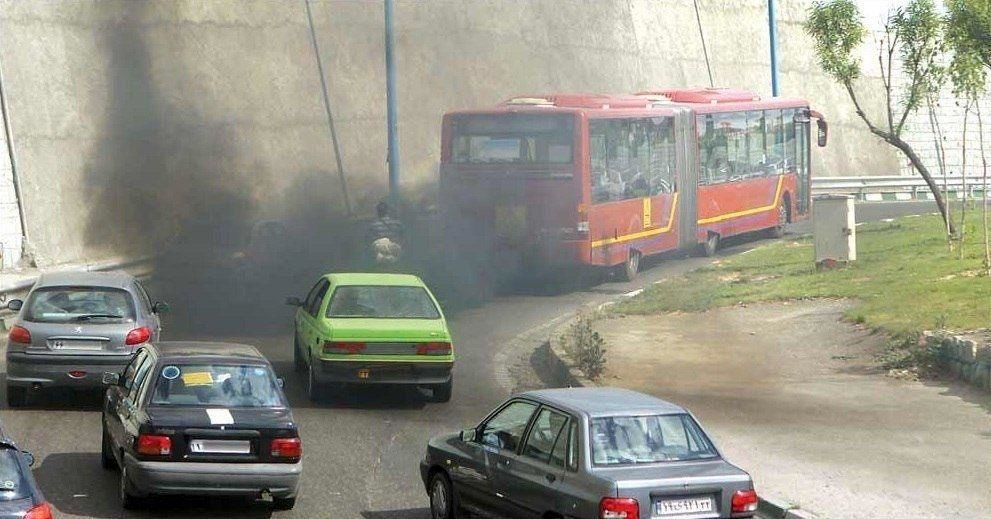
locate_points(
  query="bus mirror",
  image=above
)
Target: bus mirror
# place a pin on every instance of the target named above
(823, 132)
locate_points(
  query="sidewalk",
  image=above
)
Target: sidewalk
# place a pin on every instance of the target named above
(792, 395)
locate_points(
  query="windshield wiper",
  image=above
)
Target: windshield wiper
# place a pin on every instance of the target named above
(87, 317)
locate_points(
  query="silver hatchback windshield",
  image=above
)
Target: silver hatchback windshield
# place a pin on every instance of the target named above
(80, 304)
(622, 440)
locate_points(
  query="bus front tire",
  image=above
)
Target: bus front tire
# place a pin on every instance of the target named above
(710, 246)
(631, 267)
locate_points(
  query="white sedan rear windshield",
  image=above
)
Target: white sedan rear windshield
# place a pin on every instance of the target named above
(384, 302)
(623, 440)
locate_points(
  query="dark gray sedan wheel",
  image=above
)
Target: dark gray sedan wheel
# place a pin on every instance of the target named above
(443, 503)
(127, 500)
(106, 455)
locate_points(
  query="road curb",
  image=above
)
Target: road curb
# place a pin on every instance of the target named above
(775, 509)
(567, 374)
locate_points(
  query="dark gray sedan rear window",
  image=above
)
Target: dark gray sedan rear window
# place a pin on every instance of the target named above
(623, 440)
(80, 304)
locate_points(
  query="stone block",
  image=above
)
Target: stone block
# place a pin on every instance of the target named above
(968, 350)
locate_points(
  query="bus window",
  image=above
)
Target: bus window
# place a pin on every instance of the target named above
(791, 154)
(723, 147)
(513, 138)
(663, 159)
(631, 158)
(775, 141)
(756, 144)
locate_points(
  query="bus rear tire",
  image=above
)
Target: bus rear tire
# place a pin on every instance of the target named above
(631, 267)
(778, 231)
(710, 246)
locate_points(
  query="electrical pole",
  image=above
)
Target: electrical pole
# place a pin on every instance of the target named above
(330, 114)
(773, 31)
(390, 95)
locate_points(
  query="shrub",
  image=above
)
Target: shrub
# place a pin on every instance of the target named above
(586, 346)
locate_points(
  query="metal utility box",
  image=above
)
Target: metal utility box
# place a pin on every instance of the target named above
(834, 229)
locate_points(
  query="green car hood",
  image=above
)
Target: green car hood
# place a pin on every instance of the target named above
(398, 330)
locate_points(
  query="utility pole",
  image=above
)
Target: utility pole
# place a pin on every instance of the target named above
(772, 27)
(9, 137)
(390, 96)
(330, 114)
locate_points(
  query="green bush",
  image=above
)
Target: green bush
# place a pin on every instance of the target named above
(586, 346)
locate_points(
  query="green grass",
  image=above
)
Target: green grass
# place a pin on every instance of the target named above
(904, 279)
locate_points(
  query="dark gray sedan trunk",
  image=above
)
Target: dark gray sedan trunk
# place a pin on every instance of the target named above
(679, 488)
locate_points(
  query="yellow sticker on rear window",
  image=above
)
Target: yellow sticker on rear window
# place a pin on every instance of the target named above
(197, 378)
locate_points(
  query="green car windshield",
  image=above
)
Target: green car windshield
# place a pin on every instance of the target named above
(382, 302)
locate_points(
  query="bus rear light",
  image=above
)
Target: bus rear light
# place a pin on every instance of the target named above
(434, 348)
(744, 501)
(154, 445)
(619, 508)
(344, 348)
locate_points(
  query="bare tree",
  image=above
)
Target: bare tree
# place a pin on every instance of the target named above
(914, 34)
(968, 37)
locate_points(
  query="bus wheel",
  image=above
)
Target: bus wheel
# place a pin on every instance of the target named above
(778, 231)
(629, 270)
(711, 245)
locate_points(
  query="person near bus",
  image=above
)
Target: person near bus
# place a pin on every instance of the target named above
(386, 235)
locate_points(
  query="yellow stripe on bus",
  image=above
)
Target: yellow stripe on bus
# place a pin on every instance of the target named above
(642, 234)
(748, 212)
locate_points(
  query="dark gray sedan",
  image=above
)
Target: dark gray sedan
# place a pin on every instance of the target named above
(591, 453)
(73, 327)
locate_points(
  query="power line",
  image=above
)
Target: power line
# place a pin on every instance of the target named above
(705, 51)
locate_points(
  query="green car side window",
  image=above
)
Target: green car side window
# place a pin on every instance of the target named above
(314, 307)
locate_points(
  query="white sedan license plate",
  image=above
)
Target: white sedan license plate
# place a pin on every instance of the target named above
(695, 505)
(220, 447)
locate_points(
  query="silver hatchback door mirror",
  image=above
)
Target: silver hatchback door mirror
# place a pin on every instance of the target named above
(14, 305)
(28, 457)
(111, 379)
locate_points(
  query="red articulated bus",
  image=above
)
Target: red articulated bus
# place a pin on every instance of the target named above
(554, 182)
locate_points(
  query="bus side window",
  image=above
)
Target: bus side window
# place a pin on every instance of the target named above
(662, 174)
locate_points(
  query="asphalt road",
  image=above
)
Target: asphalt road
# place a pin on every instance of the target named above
(361, 451)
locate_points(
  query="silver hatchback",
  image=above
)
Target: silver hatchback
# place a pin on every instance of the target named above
(585, 453)
(73, 327)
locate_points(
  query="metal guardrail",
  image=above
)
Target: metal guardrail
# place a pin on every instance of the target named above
(912, 185)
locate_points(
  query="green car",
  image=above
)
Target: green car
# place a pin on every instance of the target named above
(372, 329)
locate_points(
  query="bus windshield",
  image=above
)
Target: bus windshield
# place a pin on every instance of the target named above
(513, 138)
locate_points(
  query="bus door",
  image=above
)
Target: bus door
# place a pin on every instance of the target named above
(687, 153)
(802, 132)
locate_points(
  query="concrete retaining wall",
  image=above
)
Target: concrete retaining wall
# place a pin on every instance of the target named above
(136, 120)
(964, 358)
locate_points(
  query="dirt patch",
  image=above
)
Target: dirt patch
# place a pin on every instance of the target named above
(797, 396)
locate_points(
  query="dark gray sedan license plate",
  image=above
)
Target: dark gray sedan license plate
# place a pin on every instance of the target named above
(220, 447)
(687, 506)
